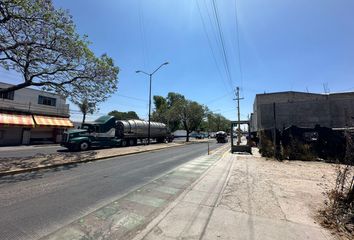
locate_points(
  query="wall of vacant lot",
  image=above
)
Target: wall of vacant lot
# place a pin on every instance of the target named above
(303, 110)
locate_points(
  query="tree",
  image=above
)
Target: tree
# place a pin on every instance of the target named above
(189, 113)
(41, 44)
(163, 110)
(160, 114)
(124, 115)
(85, 108)
(176, 111)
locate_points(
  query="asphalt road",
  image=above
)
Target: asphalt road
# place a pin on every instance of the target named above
(35, 204)
(31, 151)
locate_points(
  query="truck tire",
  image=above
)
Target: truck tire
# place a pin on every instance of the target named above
(132, 142)
(84, 146)
(124, 143)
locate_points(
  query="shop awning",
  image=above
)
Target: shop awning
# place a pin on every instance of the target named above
(46, 121)
(9, 119)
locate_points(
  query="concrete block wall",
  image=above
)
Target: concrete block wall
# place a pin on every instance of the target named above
(303, 110)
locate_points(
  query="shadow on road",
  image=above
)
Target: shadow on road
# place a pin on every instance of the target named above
(33, 175)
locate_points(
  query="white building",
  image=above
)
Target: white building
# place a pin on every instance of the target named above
(30, 116)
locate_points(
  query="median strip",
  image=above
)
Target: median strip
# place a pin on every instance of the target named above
(10, 166)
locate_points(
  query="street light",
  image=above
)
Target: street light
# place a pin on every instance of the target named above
(150, 77)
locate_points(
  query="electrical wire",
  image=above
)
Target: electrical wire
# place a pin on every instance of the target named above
(239, 48)
(221, 35)
(133, 98)
(210, 44)
(143, 34)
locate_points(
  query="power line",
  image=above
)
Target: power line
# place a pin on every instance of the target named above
(226, 61)
(218, 98)
(210, 43)
(133, 98)
(238, 46)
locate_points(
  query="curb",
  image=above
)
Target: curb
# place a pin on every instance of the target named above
(18, 171)
(131, 233)
(141, 234)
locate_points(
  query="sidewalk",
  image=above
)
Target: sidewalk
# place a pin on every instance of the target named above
(247, 197)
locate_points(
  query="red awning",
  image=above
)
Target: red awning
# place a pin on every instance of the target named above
(9, 119)
(46, 121)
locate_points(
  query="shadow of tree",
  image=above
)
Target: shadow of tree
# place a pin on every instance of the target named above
(33, 175)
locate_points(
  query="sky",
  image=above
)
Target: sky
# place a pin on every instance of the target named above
(267, 46)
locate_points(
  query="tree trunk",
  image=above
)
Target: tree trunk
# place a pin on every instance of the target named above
(187, 130)
(83, 119)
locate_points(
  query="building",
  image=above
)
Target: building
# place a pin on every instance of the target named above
(30, 116)
(304, 110)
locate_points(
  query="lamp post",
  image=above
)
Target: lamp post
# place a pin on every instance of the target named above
(150, 78)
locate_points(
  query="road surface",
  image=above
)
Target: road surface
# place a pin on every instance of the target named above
(31, 151)
(36, 204)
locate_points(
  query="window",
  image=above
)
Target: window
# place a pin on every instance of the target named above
(46, 100)
(8, 95)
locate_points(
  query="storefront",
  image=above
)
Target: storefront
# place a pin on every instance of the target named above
(17, 129)
(49, 129)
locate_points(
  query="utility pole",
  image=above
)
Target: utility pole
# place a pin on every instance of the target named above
(275, 131)
(238, 115)
(208, 117)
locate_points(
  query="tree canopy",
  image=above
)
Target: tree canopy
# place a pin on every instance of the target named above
(41, 43)
(178, 112)
(216, 122)
(124, 115)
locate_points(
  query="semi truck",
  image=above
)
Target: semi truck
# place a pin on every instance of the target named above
(221, 137)
(110, 132)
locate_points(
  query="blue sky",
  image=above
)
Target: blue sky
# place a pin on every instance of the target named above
(283, 45)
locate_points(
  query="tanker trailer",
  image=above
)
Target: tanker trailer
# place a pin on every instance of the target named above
(107, 131)
(130, 131)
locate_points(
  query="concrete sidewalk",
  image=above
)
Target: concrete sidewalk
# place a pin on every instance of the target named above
(246, 197)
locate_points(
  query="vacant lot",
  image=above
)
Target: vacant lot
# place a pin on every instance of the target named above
(279, 197)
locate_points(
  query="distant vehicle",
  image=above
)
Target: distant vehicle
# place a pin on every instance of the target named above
(107, 131)
(221, 137)
(199, 135)
(213, 135)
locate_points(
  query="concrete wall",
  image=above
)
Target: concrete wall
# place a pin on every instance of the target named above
(26, 100)
(302, 110)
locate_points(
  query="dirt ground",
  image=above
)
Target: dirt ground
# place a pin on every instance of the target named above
(291, 191)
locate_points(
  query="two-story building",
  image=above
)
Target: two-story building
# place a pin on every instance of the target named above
(30, 116)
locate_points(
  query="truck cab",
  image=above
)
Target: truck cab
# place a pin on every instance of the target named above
(221, 137)
(99, 133)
